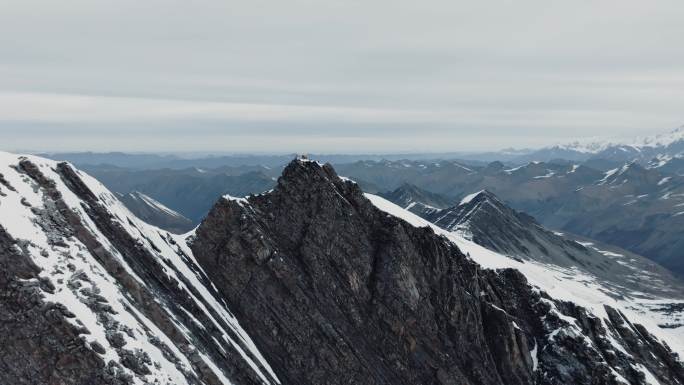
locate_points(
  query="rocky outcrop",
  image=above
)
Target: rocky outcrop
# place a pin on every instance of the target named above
(335, 291)
(38, 344)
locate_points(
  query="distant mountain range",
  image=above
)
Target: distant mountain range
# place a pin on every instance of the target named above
(190, 192)
(644, 149)
(626, 193)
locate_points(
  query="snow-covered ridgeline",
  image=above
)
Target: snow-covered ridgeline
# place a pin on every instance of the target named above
(560, 283)
(69, 263)
(596, 145)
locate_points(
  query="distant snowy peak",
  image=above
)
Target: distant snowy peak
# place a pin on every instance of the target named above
(585, 147)
(661, 140)
(638, 143)
(621, 149)
(476, 209)
(155, 213)
(153, 203)
(469, 198)
(417, 200)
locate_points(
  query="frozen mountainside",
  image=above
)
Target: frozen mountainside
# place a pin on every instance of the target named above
(153, 212)
(484, 219)
(91, 294)
(656, 314)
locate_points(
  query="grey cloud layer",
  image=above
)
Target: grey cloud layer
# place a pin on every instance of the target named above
(336, 76)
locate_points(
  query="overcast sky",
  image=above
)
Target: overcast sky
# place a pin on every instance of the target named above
(335, 76)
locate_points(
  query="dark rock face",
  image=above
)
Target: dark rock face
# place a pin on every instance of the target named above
(38, 345)
(335, 291)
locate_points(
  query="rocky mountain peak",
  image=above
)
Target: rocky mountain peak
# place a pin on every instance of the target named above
(480, 197)
(302, 173)
(334, 290)
(495, 166)
(416, 200)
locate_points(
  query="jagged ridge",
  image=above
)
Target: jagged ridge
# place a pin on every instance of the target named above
(334, 290)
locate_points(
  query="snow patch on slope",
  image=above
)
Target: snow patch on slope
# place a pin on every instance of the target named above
(469, 198)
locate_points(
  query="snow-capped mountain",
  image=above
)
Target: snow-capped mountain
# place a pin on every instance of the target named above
(90, 294)
(153, 212)
(484, 219)
(313, 282)
(642, 149)
(416, 200)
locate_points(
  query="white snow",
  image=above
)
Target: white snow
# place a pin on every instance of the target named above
(156, 204)
(549, 174)
(596, 145)
(666, 139)
(664, 180)
(241, 201)
(649, 377)
(512, 170)
(607, 175)
(535, 357)
(468, 198)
